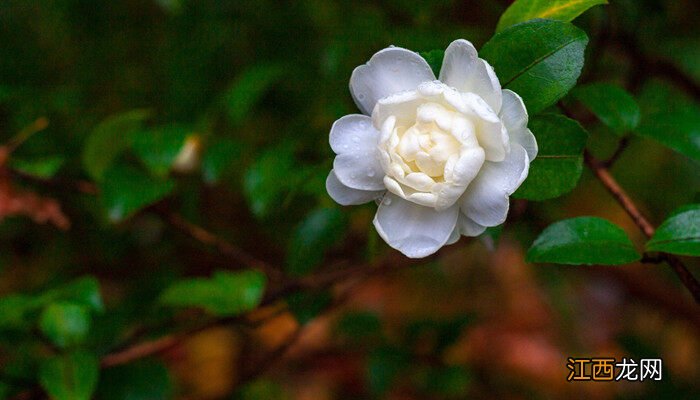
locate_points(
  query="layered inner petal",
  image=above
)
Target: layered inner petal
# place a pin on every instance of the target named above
(389, 71)
(414, 230)
(486, 198)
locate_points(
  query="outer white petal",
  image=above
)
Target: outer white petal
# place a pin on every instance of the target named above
(454, 236)
(515, 118)
(346, 196)
(463, 70)
(352, 134)
(468, 227)
(389, 71)
(357, 165)
(414, 230)
(486, 198)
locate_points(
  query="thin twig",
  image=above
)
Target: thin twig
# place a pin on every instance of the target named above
(621, 147)
(604, 176)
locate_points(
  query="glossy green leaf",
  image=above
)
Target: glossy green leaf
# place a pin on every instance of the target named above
(678, 130)
(561, 10)
(559, 162)
(140, 380)
(583, 241)
(226, 293)
(126, 190)
(83, 291)
(384, 367)
(249, 88)
(540, 60)
(158, 147)
(679, 234)
(107, 141)
(70, 377)
(616, 108)
(65, 324)
(320, 230)
(44, 167)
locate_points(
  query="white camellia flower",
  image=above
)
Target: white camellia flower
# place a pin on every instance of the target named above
(442, 155)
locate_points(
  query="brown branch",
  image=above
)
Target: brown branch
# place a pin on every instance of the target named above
(621, 147)
(604, 176)
(239, 255)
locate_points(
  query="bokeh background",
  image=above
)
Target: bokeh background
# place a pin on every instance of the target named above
(227, 107)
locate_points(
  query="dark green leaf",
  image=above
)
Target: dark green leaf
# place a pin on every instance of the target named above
(141, 380)
(83, 291)
(583, 240)
(126, 189)
(678, 130)
(219, 157)
(45, 167)
(226, 293)
(451, 381)
(384, 367)
(561, 10)
(65, 324)
(158, 147)
(679, 234)
(70, 377)
(540, 60)
(249, 88)
(559, 162)
(319, 231)
(359, 327)
(306, 306)
(13, 310)
(434, 59)
(612, 105)
(109, 139)
(271, 177)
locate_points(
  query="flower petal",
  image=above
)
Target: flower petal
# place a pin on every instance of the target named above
(346, 196)
(389, 71)
(414, 230)
(360, 171)
(492, 135)
(353, 134)
(486, 198)
(454, 236)
(463, 70)
(468, 227)
(515, 118)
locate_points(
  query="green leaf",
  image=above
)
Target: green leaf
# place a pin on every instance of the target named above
(679, 234)
(159, 147)
(70, 377)
(249, 88)
(384, 366)
(83, 291)
(219, 158)
(540, 60)
(109, 139)
(358, 327)
(319, 231)
(434, 59)
(271, 177)
(44, 167)
(306, 306)
(142, 380)
(559, 162)
(126, 189)
(226, 293)
(678, 130)
(13, 310)
(65, 324)
(616, 108)
(561, 10)
(583, 240)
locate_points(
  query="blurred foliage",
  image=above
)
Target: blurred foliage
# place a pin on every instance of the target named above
(218, 112)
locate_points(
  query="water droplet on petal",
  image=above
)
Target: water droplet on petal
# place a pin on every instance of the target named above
(356, 139)
(387, 201)
(370, 173)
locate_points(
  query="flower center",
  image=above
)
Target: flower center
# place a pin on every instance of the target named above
(425, 147)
